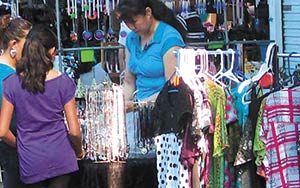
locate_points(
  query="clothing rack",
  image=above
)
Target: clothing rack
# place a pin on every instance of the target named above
(296, 55)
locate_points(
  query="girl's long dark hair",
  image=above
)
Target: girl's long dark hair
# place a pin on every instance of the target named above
(36, 60)
(130, 8)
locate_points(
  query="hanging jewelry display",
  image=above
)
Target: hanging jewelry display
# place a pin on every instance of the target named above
(104, 135)
(99, 34)
(143, 130)
(92, 15)
(171, 5)
(219, 6)
(185, 8)
(110, 32)
(201, 6)
(80, 90)
(87, 35)
(240, 11)
(72, 12)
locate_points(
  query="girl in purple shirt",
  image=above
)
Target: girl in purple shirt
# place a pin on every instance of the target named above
(41, 97)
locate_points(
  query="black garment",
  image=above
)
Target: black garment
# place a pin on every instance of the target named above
(254, 108)
(195, 32)
(10, 163)
(56, 182)
(173, 107)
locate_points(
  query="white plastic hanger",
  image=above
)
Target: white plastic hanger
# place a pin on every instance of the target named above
(206, 70)
(229, 73)
(219, 74)
(265, 67)
(5, 4)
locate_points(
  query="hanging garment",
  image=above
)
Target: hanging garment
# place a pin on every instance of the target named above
(280, 133)
(195, 32)
(170, 172)
(219, 141)
(173, 107)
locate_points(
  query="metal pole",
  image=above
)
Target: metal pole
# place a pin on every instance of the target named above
(58, 35)
(225, 24)
(17, 7)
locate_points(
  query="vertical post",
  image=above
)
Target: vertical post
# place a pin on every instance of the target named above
(58, 35)
(225, 22)
(17, 8)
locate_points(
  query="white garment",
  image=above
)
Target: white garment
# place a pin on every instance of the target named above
(170, 172)
(124, 31)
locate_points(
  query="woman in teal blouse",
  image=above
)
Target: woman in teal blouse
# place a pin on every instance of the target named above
(150, 47)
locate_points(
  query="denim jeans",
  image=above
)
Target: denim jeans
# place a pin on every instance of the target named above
(9, 162)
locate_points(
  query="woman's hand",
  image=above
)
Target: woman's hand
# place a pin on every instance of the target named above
(81, 154)
(129, 106)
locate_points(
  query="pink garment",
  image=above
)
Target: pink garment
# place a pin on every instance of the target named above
(280, 133)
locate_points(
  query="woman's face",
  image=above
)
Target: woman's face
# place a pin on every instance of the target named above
(140, 24)
(19, 46)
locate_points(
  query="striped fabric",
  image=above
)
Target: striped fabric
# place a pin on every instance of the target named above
(195, 32)
(280, 132)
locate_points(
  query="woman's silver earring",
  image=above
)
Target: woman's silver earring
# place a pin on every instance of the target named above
(13, 53)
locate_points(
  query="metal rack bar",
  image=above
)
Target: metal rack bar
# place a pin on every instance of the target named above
(92, 48)
(251, 42)
(233, 42)
(297, 55)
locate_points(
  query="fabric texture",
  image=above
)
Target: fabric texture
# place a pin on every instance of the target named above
(171, 173)
(43, 145)
(219, 141)
(280, 133)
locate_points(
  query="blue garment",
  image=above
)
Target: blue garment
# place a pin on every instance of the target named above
(8, 155)
(242, 109)
(97, 73)
(147, 64)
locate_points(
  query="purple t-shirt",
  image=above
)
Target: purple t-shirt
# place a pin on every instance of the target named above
(43, 145)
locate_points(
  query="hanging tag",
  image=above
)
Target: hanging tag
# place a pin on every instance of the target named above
(87, 56)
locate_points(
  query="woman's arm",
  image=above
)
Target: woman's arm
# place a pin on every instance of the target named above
(170, 62)
(74, 128)
(129, 85)
(5, 119)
